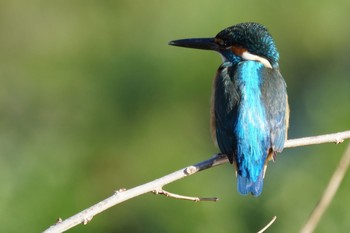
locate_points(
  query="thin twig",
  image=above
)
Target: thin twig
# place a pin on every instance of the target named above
(326, 138)
(86, 215)
(268, 225)
(182, 197)
(328, 194)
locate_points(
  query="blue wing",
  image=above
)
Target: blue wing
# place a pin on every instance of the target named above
(240, 122)
(224, 110)
(274, 91)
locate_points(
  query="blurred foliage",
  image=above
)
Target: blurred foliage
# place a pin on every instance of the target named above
(92, 99)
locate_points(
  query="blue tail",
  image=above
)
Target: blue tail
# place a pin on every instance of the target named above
(246, 185)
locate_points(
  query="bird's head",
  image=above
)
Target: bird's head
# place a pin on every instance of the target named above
(244, 41)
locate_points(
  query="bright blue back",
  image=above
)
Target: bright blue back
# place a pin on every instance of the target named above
(251, 128)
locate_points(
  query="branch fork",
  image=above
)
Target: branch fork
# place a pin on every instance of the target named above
(155, 186)
(161, 191)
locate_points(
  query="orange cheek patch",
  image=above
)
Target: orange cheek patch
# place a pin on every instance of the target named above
(238, 50)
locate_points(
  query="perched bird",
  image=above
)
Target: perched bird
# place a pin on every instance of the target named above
(250, 111)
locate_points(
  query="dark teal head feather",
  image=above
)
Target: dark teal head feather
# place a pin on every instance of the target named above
(252, 36)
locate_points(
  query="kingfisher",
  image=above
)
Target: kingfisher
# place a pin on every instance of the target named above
(249, 104)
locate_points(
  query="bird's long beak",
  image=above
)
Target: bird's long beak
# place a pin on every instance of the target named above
(196, 43)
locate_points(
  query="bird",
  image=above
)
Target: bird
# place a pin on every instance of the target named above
(249, 114)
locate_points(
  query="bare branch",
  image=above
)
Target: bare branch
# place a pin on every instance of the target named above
(326, 138)
(123, 195)
(120, 196)
(328, 194)
(268, 225)
(181, 197)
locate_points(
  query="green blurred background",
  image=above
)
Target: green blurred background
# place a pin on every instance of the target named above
(92, 99)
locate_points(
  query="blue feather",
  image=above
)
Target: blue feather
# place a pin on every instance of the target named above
(246, 185)
(249, 112)
(251, 129)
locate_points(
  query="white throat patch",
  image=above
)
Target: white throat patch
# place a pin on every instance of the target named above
(251, 57)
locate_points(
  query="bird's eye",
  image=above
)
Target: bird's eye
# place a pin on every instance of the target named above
(220, 42)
